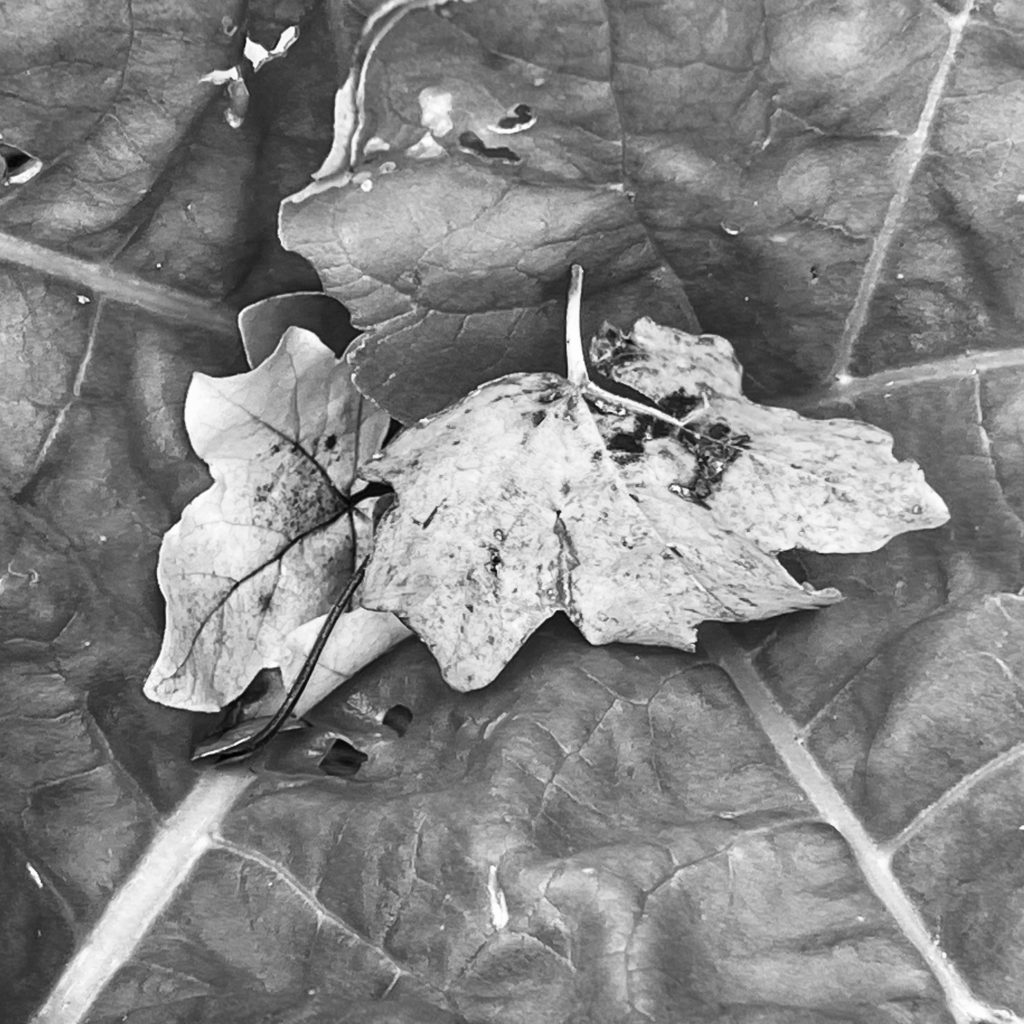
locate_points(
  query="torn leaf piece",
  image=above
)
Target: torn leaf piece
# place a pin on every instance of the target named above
(510, 508)
(766, 473)
(218, 77)
(270, 544)
(258, 55)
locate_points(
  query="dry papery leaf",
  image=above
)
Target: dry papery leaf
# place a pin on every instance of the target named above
(271, 542)
(537, 494)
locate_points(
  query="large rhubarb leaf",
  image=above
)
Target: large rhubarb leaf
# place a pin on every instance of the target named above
(122, 264)
(837, 189)
(655, 857)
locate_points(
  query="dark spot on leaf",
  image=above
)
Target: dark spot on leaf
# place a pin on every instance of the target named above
(538, 417)
(494, 562)
(331, 442)
(715, 450)
(518, 119)
(658, 428)
(265, 601)
(342, 760)
(470, 142)
(679, 403)
(398, 718)
(625, 443)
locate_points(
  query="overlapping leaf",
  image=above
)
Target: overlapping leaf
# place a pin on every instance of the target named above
(264, 549)
(512, 506)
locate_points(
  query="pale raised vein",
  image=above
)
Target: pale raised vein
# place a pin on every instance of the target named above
(57, 427)
(312, 901)
(156, 878)
(953, 795)
(120, 286)
(886, 382)
(986, 444)
(874, 862)
(913, 152)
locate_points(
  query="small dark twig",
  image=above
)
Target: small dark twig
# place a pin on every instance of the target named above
(217, 751)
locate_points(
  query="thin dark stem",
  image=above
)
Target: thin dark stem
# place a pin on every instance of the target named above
(247, 745)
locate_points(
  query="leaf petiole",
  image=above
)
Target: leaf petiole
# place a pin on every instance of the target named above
(576, 366)
(218, 751)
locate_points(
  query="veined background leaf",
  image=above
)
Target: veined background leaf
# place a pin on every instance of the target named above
(684, 875)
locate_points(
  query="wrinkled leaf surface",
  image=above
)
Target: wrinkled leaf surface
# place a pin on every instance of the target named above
(720, 896)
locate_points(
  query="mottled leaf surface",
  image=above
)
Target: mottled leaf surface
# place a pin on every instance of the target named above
(656, 859)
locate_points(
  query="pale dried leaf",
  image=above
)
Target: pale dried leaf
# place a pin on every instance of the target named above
(265, 548)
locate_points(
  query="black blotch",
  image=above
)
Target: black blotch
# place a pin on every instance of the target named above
(331, 442)
(398, 718)
(521, 114)
(341, 760)
(494, 561)
(814, 272)
(714, 450)
(470, 142)
(538, 417)
(625, 443)
(679, 403)
(266, 600)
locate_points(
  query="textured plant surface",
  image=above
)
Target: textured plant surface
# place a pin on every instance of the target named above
(604, 834)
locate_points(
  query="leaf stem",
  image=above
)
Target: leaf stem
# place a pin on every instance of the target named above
(250, 744)
(873, 861)
(598, 394)
(576, 365)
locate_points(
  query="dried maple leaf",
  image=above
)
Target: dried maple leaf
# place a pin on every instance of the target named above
(770, 475)
(517, 502)
(269, 544)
